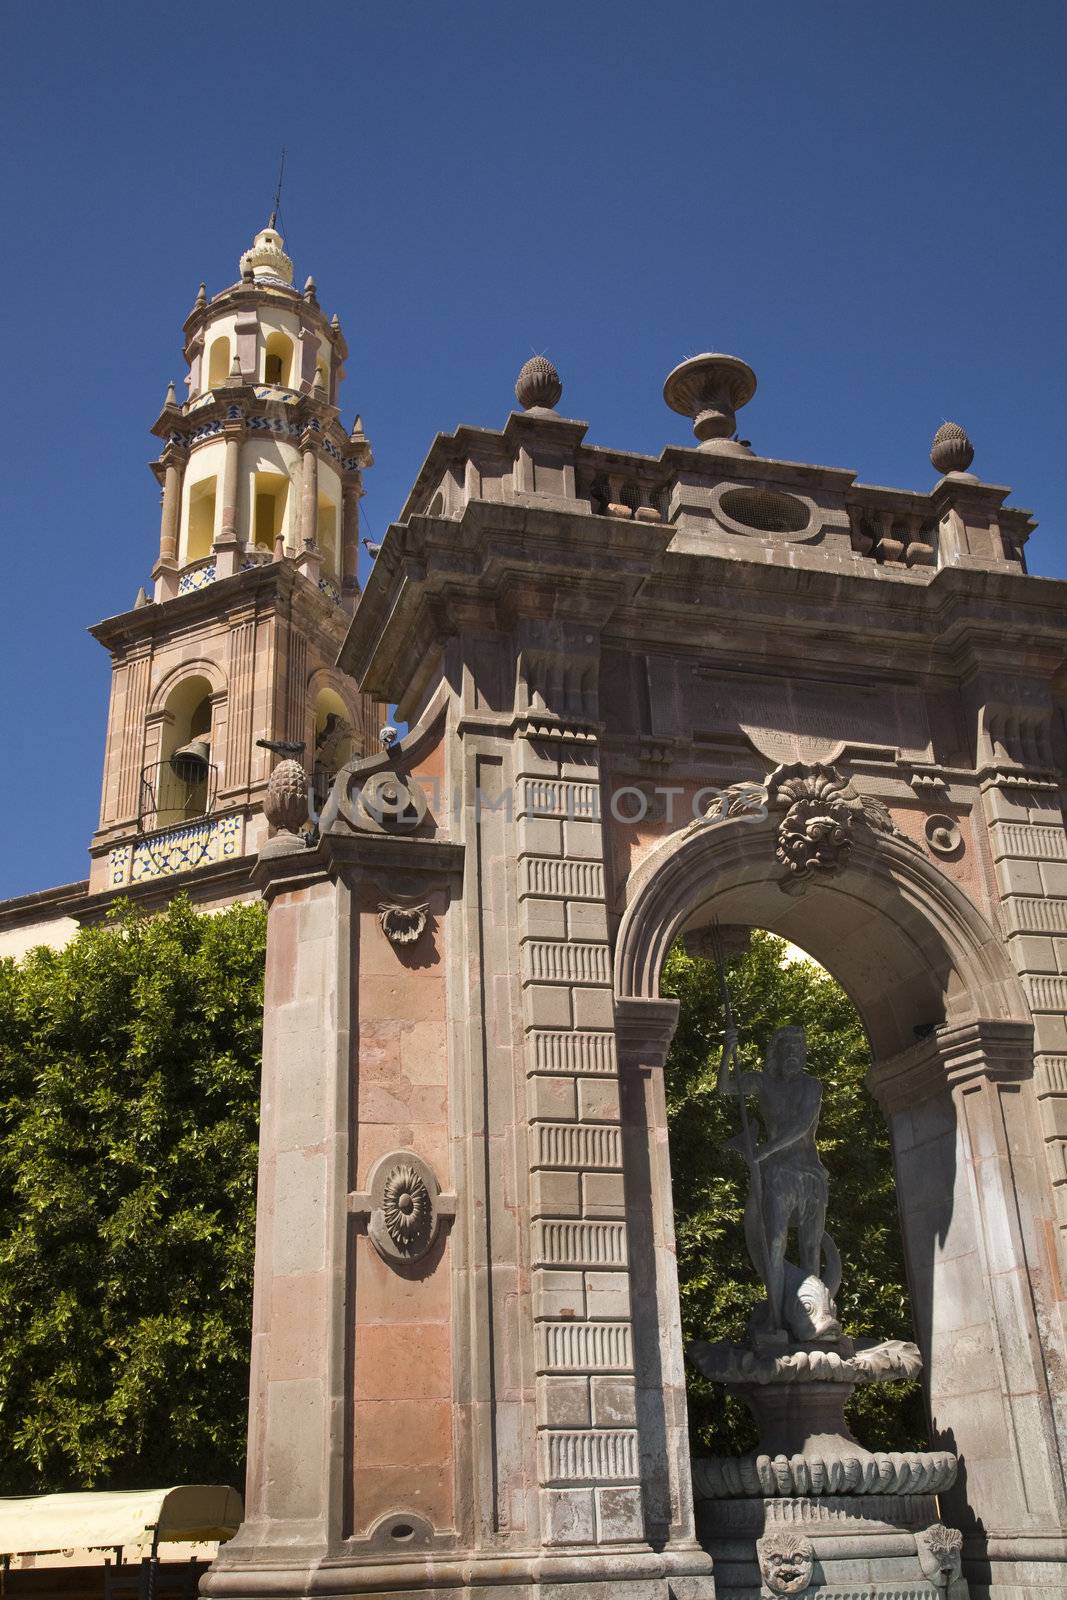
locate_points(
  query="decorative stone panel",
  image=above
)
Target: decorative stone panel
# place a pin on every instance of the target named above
(1029, 848)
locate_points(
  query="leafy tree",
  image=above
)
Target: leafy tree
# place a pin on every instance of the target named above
(129, 1066)
(718, 1284)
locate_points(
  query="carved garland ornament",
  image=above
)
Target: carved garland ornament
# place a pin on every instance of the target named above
(853, 1471)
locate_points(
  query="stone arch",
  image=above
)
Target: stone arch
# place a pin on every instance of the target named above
(193, 667)
(952, 1041)
(336, 726)
(927, 955)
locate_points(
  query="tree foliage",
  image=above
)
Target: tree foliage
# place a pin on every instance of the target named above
(129, 1067)
(718, 1284)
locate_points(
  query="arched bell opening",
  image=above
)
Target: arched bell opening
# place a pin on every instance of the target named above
(952, 1052)
(182, 782)
(218, 362)
(336, 741)
(278, 360)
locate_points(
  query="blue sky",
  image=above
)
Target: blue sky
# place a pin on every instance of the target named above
(865, 202)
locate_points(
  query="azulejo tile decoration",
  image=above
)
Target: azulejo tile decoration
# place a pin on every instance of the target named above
(198, 578)
(206, 430)
(161, 855)
(118, 865)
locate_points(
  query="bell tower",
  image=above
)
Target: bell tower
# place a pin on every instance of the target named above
(253, 588)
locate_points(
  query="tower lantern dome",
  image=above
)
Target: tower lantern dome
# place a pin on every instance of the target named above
(267, 258)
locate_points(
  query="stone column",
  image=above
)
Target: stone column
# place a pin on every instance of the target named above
(229, 544)
(165, 572)
(644, 1029)
(975, 1215)
(308, 560)
(351, 493)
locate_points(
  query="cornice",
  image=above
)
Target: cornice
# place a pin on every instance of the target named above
(261, 588)
(435, 575)
(228, 409)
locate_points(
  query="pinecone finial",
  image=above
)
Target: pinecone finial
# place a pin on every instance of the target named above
(951, 450)
(538, 385)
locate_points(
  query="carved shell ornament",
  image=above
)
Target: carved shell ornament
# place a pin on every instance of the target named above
(406, 1207)
(403, 924)
(821, 810)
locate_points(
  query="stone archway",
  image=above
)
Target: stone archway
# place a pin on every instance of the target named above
(952, 1043)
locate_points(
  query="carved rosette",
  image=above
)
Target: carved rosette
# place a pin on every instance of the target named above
(404, 1207)
(786, 1561)
(407, 1209)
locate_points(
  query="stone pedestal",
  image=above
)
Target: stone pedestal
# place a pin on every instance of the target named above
(864, 1547)
(812, 1511)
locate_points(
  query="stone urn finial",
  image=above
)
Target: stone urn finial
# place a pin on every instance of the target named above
(951, 450)
(711, 388)
(285, 807)
(537, 387)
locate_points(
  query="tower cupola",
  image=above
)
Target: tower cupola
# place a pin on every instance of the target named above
(256, 465)
(267, 258)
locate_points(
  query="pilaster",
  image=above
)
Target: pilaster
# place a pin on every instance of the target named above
(975, 1219)
(589, 1463)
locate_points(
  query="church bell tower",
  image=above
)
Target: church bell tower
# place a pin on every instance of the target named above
(254, 585)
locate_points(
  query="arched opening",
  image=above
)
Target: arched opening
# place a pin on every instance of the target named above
(270, 496)
(218, 364)
(183, 779)
(327, 536)
(201, 532)
(278, 359)
(951, 1040)
(772, 985)
(335, 742)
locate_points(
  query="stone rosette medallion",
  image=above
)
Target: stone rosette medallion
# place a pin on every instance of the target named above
(404, 1208)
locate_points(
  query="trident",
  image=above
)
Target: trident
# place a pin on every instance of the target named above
(747, 1137)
